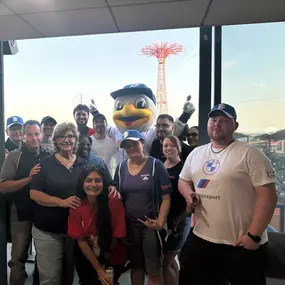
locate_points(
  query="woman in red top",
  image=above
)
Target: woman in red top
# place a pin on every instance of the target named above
(98, 225)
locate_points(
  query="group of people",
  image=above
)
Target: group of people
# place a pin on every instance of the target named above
(60, 189)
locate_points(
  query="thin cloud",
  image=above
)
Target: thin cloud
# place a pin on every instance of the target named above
(189, 57)
(258, 85)
(228, 64)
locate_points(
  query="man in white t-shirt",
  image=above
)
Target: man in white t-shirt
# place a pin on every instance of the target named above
(103, 145)
(231, 185)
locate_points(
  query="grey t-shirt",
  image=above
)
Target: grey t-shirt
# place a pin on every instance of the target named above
(137, 192)
(10, 165)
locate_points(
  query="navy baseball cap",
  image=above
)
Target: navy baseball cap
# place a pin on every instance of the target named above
(226, 109)
(15, 120)
(132, 135)
(48, 118)
(130, 89)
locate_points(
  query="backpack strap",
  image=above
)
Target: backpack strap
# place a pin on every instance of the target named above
(153, 167)
(156, 195)
(119, 174)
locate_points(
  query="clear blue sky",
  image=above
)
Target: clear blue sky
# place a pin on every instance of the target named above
(47, 74)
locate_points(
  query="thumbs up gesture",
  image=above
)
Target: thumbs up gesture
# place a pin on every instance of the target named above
(188, 106)
(93, 108)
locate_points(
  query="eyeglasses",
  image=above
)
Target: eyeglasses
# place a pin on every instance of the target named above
(164, 126)
(69, 137)
(15, 128)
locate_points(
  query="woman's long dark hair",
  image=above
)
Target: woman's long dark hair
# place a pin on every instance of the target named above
(103, 217)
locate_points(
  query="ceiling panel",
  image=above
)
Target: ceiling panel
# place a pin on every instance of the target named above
(4, 10)
(135, 2)
(37, 6)
(77, 18)
(127, 2)
(16, 28)
(160, 15)
(226, 12)
(75, 22)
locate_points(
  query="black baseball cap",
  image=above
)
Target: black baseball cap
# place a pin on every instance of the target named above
(48, 118)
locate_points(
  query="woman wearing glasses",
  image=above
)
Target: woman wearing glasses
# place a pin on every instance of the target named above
(98, 225)
(53, 190)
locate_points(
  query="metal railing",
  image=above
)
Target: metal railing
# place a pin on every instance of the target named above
(281, 207)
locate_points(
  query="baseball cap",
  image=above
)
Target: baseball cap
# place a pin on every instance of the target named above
(14, 120)
(47, 118)
(226, 109)
(131, 89)
(132, 135)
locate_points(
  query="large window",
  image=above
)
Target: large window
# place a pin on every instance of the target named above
(253, 80)
(47, 76)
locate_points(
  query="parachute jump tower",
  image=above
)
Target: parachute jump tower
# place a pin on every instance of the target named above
(161, 51)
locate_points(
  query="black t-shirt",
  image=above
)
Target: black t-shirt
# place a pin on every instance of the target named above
(178, 203)
(156, 150)
(56, 180)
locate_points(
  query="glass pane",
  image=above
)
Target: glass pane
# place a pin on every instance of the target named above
(254, 83)
(51, 76)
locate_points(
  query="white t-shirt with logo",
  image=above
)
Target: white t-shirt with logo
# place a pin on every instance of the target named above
(225, 182)
(106, 149)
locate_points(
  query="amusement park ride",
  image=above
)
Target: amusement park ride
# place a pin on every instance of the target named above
(161, 51)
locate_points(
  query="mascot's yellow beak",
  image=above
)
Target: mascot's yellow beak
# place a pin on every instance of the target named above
(130, 117)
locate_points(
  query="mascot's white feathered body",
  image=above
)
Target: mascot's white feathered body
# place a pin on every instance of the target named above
(135, 109)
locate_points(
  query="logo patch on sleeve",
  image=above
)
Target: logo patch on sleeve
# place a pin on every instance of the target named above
(270, 173)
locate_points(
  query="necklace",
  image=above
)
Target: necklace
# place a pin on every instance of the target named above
(64, 158)
(215, 151)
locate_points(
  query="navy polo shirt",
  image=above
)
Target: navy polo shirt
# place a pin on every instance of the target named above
(55, 180)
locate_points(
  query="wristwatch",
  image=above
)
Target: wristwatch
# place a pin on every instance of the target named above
(256, 239)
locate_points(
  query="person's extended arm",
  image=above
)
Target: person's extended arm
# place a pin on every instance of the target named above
(164, 209)
(264, 208)
(185, 188)
(14, 185)
(188, 110)
(263, 180)
(52, 201)
(88, 253)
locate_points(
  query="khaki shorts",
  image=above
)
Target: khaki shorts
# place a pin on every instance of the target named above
(144, 250)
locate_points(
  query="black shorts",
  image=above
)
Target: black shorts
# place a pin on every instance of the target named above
(204, 263)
